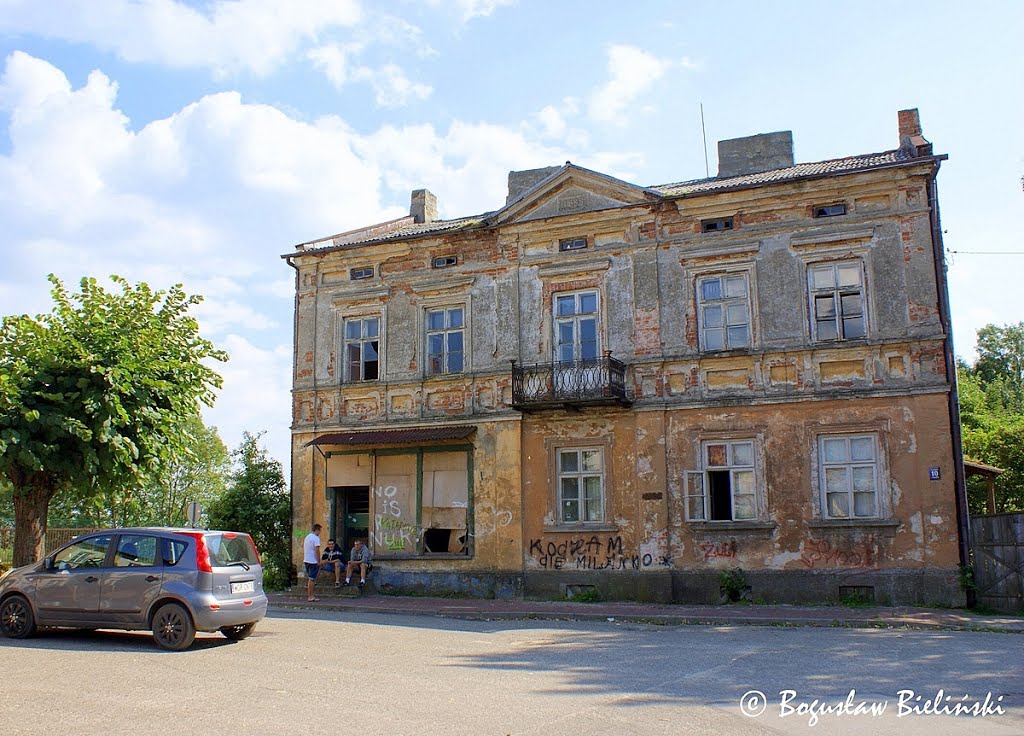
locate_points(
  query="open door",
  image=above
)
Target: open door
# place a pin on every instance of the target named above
(352, 521)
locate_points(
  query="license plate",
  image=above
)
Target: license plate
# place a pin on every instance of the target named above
(246, 587)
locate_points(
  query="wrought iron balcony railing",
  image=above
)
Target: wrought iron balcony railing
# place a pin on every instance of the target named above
(569, 383)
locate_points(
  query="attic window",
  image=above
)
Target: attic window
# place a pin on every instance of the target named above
(444, 261)
(572, 244)
(830, 210)
(716, 225)
(361, 273)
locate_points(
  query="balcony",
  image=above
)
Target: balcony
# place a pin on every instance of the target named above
(570, 384)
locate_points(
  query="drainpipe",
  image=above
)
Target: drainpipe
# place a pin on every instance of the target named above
(942, 286)
(291, 464)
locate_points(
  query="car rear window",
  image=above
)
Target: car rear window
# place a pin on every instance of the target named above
(230, 549)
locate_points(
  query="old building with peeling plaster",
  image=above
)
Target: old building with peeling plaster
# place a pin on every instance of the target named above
(605, 386)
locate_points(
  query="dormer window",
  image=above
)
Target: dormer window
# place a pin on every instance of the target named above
(716, 225)
(830, 210)
(572, 244)
(357, 274)
(443, 261)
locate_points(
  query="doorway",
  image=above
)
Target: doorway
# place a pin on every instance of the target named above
(351, 515)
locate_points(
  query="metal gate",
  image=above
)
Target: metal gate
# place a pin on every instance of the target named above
(997, 542)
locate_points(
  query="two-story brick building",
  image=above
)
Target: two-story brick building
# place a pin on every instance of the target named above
(634, 388)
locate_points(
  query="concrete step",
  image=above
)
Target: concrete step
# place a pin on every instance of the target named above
(327, 590)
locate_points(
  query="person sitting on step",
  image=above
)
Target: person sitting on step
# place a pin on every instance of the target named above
(333, 559)
(359, 557)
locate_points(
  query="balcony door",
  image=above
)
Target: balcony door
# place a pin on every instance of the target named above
(577, 371)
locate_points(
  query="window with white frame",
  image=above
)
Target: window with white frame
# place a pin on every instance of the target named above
(849, 476)
(362, 348)
(837, 300)
(724, 308)
(726, 490)
(576, 320)
(445, 340)
(580, 485)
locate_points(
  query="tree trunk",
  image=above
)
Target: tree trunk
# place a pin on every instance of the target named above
(30, 508)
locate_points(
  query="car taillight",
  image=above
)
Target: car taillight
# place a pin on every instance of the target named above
(202, 553)
(255, 552)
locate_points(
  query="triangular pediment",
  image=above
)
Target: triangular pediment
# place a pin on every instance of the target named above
(571, 190)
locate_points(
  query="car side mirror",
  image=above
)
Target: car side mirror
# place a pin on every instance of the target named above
(48, 563)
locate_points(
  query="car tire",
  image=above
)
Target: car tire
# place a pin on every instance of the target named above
(237, 633)
(173, 628)
(16, 618)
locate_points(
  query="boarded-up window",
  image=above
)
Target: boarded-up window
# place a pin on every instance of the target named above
(394, 502)
(349, 470)
(445, 501)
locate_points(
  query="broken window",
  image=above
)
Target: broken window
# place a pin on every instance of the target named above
(830, 210)
(572, 244)
(444, 261)
(361, 349)
(726, 489)
(724, 308)
(580, 485)
(849, 476)
(445, 340)
(716, 225)
(837, 300)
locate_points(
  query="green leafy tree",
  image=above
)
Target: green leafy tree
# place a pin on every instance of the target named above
(93, 395)
(257, 502)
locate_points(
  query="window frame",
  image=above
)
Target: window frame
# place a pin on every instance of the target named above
(837, 292)
(699, 486)
(567, 245)
(576, 318)
(346, 341)
(584, 517)
(444, 331)
(877, 464)
(824, 211)
(723, 302)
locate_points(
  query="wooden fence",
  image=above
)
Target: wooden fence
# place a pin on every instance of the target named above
(997, 542)
(54, 538)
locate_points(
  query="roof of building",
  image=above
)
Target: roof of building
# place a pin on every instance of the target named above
(817, 169)
(395, 436)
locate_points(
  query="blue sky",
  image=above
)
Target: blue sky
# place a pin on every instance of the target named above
(196, 142)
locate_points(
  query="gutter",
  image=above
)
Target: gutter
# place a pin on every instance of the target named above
(942, 286)
(291, 463)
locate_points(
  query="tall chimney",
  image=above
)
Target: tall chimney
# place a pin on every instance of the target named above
(424, 206)
(912, 140)
(520, 181)
(755, 154)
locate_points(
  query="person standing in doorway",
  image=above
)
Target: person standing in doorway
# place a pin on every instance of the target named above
(311, 557)
(358, 558)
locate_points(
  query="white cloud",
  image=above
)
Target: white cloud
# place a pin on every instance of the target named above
(225, 36)
(466, 10)
(632, 72)
(392, 87)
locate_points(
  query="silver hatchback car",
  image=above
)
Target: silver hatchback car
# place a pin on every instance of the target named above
(173, 581)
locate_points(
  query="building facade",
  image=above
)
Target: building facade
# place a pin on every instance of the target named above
(633, 389)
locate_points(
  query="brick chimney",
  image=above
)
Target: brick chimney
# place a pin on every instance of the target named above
(520, 181)
(755, 153)
(911, 139)
(424, 206)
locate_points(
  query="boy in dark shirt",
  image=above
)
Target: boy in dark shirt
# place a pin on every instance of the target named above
(333, 559)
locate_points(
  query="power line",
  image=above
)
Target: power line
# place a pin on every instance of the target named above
(988, 252)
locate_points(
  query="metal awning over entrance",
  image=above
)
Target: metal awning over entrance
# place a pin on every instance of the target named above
(394, 436)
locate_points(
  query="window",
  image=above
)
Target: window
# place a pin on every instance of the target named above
(135, 551)
(726, 489)
(830, 210)
(837, 300)
(362, 342)
(445, 340)
(357, 274)
(90, 552)
(572, 244)
(724, 312)
(444, 261)
(714, 226)
(576, 318)
(580, 485)
(849, 476)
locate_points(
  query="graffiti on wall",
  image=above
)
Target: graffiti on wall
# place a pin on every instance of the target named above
(587, 553)
(489, 518)
(711, 550)
(823, 553)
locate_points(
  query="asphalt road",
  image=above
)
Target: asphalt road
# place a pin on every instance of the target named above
(314, 673)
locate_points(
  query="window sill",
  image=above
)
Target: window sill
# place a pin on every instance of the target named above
(733, 527)
(577, 528)
(853, 523)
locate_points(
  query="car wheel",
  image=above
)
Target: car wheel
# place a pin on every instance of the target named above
(173, 628)
(16, 619)
(237, 633)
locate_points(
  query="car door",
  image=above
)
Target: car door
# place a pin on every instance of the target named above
(132, 582)
(68, 591)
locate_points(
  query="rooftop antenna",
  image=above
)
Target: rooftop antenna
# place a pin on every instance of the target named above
(707, 171)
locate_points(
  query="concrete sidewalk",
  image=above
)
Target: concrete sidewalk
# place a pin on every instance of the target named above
(652, 613)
